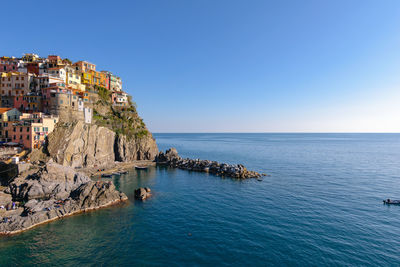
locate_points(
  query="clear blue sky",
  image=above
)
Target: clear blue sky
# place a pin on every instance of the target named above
(227, 65)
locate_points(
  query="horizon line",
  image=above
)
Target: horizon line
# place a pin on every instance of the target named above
(275, 132)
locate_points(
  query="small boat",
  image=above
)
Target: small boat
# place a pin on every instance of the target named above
(124, 172)
(116, 173)
(391, 202)
(106, 175)
(140, 168)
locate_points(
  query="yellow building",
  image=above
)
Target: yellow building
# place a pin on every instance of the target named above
(30, 57)
(86, 78)
(96, 77)
(74, 79)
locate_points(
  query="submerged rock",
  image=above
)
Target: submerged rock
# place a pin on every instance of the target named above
(172, 159)
(53, 191)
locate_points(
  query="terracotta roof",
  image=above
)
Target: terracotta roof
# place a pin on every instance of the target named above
(2, 110)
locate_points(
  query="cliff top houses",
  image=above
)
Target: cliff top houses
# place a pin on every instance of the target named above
(38, 92)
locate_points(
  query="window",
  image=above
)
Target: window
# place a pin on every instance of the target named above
(14, 129)
(5, 124)
(20, 129)
(27, 137)
(15, 137)
(20, 137)
(27, 129)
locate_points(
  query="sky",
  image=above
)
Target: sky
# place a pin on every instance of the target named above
(230, 65)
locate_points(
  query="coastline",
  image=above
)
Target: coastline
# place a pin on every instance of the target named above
(51, 192)
(116, 167)
(111, 203)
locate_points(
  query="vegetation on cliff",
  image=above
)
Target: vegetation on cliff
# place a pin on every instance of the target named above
(121, 120)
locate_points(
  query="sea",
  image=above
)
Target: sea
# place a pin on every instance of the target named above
(320, 205)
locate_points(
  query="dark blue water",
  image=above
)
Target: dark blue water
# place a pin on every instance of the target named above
(322, 205)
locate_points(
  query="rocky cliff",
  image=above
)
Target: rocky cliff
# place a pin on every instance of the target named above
(115, 134)
(78, 144)
(49, 192)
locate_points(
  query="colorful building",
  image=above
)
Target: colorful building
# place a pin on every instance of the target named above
(8, 64)
(7, 115)
(51, 85)
(33, 67)
(96, 77)
(119, 99)
(30, 130)
(84, 66)
(104, 80)
(16, 83)
(73, 79)
(29, 57)
(58, 72)
(114, 82)
(30, 103)
(86, 78)
(54, 61)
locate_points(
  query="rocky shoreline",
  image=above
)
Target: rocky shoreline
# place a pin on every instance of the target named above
(172, 159)
(49, 192)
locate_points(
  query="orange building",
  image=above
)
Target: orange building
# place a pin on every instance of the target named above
(84, 66)
(54, 61)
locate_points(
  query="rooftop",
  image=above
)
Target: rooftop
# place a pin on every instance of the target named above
(2, 110)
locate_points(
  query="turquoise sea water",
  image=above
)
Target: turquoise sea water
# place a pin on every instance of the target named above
(322, 205)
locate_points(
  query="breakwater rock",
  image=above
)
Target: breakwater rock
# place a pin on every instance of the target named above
(172, 159)
(49, 192)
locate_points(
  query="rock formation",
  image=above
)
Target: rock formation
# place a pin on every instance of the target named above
(127, 150)
(49, 192)
(142, 193)
(77, 144)
(172, 159)
(115, 134)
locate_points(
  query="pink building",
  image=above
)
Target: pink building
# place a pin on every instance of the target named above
(8, 64)
(28, 103)
(31, 130)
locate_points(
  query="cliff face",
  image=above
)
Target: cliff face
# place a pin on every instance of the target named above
(116, 133)
(81, 145)
(127, 150)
